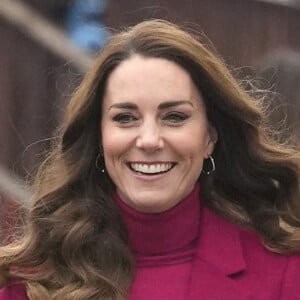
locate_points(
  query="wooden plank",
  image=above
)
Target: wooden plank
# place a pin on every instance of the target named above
(44, 32)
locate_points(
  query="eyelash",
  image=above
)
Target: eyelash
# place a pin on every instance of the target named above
(172, 118)
(175, 117)
(124, 118)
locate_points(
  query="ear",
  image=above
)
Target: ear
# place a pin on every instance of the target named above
(213, 138)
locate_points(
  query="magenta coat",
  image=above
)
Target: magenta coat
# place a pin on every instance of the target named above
(231, 264)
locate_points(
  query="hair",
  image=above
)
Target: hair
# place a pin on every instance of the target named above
(75, 245)
(280, 70)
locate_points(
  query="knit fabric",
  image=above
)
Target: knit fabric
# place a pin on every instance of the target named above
(164, 246)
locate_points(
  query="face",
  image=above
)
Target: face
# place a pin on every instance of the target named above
(155, 133)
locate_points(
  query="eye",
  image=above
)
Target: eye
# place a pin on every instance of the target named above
(124, 118)
(175, 117)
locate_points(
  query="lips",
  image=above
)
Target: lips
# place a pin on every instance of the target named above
(151, 168)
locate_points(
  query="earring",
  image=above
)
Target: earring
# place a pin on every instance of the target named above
(213, 166)
(100, 161)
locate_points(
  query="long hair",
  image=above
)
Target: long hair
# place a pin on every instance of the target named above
(280, 72)
(75, 247)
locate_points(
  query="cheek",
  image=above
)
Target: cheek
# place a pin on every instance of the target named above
(194, 142)
(205, 144)
(112, 135)
(192, 155)
(116, 145)
(107, 142)
(110, 144)
(111, 140)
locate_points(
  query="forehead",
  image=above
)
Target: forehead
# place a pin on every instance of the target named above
(148, 78)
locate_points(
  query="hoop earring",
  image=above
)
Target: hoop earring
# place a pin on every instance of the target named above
(213, 166)
(98, 164)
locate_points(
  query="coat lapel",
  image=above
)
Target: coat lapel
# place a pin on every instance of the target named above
(219, 259)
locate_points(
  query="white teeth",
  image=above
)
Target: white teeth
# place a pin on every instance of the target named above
(151, 169)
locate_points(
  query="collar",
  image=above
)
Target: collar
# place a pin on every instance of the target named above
(219, 257)
(220, 243)
(166, 232)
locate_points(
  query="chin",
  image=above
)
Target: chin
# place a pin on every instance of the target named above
(151, 206)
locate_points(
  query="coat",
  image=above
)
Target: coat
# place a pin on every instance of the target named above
(230, 264)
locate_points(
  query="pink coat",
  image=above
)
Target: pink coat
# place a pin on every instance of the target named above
(231, 264)
(13, 292)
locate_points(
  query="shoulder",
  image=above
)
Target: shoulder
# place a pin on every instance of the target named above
(13, 291)
(282, 270)
(278, 272)
(240, 253)
(290, 286)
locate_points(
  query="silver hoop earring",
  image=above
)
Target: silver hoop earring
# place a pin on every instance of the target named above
(213, 166)
(100, 161)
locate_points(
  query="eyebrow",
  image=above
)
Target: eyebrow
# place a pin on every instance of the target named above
(170, 104)
(164, 105)
(124, 105)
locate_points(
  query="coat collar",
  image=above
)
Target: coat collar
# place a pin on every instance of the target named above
(220, 244)
(219, 258)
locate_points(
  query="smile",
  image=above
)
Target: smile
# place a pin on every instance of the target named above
(151, 169)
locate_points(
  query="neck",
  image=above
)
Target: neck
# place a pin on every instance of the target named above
(159, 233)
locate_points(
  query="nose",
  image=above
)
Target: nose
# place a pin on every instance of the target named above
(149, 137)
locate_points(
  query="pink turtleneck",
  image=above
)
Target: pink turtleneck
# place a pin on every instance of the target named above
(164, 245)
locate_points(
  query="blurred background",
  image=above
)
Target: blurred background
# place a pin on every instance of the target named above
(47, 45)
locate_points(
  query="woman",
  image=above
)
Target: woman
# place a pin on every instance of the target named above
(164, 185)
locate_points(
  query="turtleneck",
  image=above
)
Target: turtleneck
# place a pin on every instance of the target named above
(164, 246)
(166, 232)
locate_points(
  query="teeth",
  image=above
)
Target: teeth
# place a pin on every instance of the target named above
(151, 169)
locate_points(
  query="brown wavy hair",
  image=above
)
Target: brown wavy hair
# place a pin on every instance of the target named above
(280, 72)
(74, 246)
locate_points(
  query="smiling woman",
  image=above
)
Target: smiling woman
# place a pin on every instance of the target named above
(164, 184)
(155, 133)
